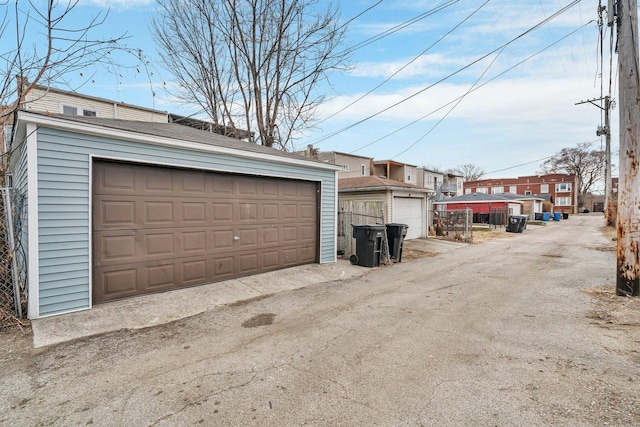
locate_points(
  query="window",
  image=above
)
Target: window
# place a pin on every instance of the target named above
(527, 193)
(563, 201)
(544, 188)
(467, 191)
(363, 170)
(345, 168)
(563, 187)
(482, 190)
(408, 176)
(513, 189)
(497, 190)
(69, 110)
(7, 137)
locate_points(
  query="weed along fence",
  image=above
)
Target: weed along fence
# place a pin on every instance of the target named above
(454, 224)
(356, 213)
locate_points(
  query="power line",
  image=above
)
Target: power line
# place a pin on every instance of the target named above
(546, 20)
(398, 27)
(404, 66)
(451, 109)
(474, 89)
(525, 164)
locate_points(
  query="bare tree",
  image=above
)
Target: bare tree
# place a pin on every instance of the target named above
(42, 46)
(252, 64)
(586, 164)
(469, 171)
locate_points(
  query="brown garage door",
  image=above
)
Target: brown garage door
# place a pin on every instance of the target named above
(157, 228)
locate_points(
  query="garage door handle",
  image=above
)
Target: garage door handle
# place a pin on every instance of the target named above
(236, 238)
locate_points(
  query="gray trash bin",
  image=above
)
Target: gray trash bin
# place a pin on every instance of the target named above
(396, 234)
(516, 223)
(368, 245)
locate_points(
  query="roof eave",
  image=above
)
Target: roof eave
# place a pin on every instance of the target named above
(103, 131)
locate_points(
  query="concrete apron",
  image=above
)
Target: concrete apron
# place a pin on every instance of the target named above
(156, 309)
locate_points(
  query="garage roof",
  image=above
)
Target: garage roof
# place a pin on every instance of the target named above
(170, 132)
(373, 183)
(476, 198)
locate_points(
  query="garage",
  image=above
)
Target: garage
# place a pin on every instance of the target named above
(156, 229)
(116, 209)
(408, 210)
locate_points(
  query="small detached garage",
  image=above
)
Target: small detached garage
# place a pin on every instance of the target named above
(115, 209)
(486, 208)
(402, 202)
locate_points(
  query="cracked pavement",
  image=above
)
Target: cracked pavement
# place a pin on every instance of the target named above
(490, 334)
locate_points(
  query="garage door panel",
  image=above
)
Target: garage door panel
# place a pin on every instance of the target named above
(159, 228)
(158, 213)
(270, 188)
(159, 244)
(194, 242)
(270, 259)
(409, 211)
(248, 211)
(288, 189)
(223, 212)
(118, 248)
(223, 267)
(222, 239)
(158, 181)
(117, 284)
(193, 184)
(194, 271)
(193, 213)
(119, 213)
(115, 178)
(160, 276)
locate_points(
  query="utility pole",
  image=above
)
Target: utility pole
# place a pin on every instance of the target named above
(628, 264)
(606, 131)
(608, 195)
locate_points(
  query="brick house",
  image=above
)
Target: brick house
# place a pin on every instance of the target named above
(561, 187)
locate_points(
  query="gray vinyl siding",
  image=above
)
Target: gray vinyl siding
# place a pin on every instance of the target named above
(64, 204)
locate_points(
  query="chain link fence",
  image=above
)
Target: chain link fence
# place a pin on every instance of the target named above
(454, 224)
(13, 289)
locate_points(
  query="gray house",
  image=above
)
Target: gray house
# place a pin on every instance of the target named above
(115, 209)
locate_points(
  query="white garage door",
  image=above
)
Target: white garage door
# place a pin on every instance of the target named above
(408, 211)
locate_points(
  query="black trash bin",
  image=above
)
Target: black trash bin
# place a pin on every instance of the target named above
(396, 234)
(516, 223)
(368, 245)
(539, 216)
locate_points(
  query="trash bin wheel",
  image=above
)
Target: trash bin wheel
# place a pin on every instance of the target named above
(353, 259)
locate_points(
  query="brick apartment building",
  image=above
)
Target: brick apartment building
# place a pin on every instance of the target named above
(560, 189)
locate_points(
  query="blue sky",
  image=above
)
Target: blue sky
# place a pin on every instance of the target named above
(505, 117)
